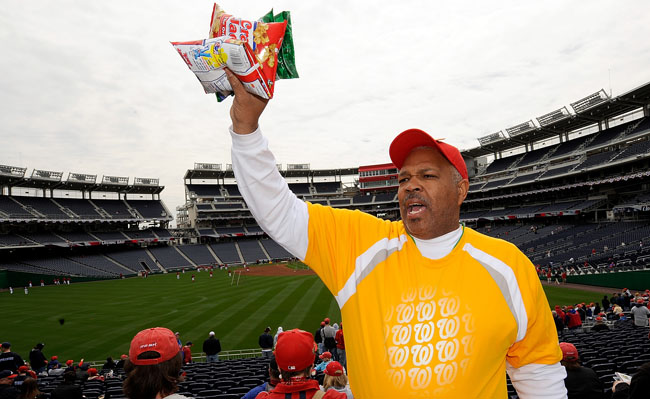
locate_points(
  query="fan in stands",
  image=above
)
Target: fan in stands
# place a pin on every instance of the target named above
(295, 353)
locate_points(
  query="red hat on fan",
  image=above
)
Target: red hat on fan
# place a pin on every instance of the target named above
(158, 339)
(334, 369)
(569, 351)
(410, 139)
(327, 320)
(322, 324)
(325, 355)
(294, 350)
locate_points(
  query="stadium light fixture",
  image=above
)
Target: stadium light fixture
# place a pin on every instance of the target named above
(298, 166)
(521, 128)
(146, 181)
(12, 171)
(115, 180)
(554, 116)
(590, 101)
(81, 178)
(47, 175)
(491, 138)
(207, 166)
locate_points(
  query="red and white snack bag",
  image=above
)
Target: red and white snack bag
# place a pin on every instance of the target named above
(264, 39)
(207, 59)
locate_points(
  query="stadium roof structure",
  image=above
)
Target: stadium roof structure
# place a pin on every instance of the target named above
(588, 111)
(13, 176)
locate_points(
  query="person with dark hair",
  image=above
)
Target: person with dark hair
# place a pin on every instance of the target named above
(581, 382)
(29, 390)
(37, 359)
(266, 343)
(559, 323)
(9, 360)
(109, 366)
(153, 369)
(7, 389)
(605, 303)
(318, 337)
(67, 389)
(274, 379)
(638, 388)
(295, 354)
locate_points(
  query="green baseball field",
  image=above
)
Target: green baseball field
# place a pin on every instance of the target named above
(98, 319)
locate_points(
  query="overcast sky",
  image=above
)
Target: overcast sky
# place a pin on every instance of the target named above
(95, 87)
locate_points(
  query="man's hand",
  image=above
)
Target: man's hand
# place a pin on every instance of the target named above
(246, 107)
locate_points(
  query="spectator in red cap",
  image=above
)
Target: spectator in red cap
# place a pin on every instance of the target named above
(295, 355)
(154, 365)
(94, 375)
(640, 313)
(396, 282)
(600, 324)
(325, 358)
(581, 382)
(335, 379)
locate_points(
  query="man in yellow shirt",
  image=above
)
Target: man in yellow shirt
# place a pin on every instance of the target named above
(431, 308)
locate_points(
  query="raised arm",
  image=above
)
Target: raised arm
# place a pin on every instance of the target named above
(278, 211)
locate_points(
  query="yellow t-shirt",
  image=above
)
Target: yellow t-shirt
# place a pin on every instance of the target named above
(416, 327)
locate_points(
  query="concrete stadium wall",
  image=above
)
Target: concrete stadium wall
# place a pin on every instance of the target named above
(635, 281)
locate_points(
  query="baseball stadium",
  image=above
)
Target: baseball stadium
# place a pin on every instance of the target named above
(87, 261)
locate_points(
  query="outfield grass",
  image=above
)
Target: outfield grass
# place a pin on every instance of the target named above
(101, 317)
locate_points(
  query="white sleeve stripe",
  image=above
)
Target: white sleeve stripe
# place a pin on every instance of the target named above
(366, 263)
(505, 279)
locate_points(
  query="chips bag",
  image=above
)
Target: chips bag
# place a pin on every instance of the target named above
(251, 49)
(207, 58)
(287, 55)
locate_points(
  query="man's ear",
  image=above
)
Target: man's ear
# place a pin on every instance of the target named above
(463, 188)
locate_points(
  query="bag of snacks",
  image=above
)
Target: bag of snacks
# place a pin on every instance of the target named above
(252, 50)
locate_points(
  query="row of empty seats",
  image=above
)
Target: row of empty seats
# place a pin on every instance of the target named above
(70, 238)
(112, 263)
(17, 207)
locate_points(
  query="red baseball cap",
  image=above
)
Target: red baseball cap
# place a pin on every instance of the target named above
(156, 339)
(294, 350)
(569, 352)
(92, 371)
(54, 357)
(322, 324)
(327, 320)
(409, 139)
(334, 369)
(69, 362)
(599, 318)
(325, 355)
(23, 368)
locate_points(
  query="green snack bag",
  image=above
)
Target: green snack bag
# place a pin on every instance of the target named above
(287, 55)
